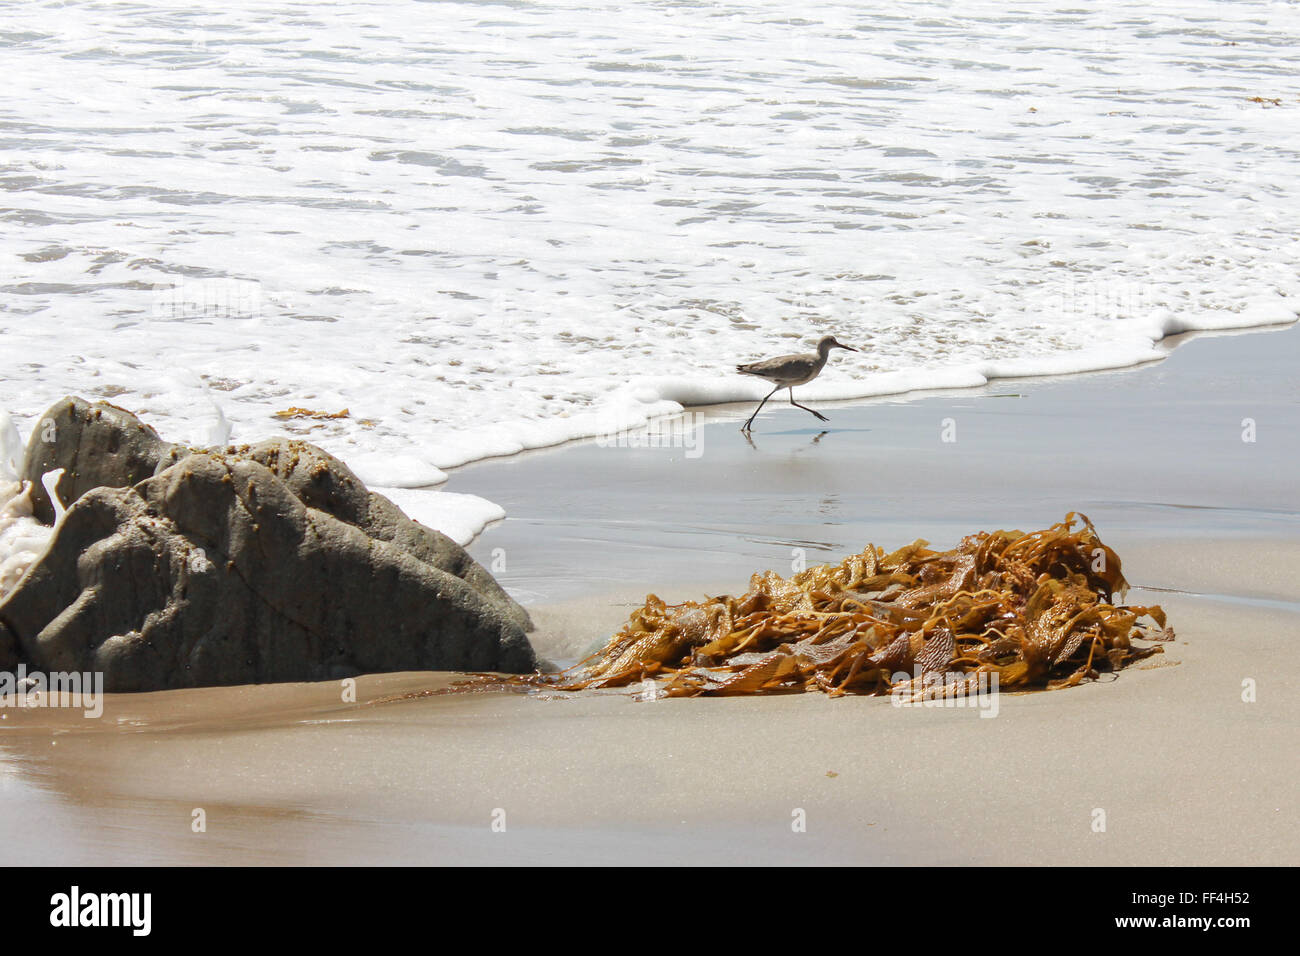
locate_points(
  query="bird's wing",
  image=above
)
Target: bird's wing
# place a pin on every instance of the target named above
(783, 366)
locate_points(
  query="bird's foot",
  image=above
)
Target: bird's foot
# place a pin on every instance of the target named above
(820, 415)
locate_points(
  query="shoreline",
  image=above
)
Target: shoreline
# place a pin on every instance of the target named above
(1161, 348)
(1185, 769)
(563, 503)
(411, 476)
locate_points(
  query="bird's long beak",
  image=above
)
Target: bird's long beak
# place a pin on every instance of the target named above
(849, 347)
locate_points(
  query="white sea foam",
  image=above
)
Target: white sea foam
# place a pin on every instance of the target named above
(23, 539)
(459, 517)
(11, 449)
(484, 227)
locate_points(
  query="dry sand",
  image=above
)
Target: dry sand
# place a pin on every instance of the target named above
(1186, 771)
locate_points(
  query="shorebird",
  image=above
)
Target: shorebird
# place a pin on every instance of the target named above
(787, 371)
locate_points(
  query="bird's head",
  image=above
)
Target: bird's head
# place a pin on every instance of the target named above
(829, 342)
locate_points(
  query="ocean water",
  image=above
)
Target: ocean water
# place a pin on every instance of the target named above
(486, 226)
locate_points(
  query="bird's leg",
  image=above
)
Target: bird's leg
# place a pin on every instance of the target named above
(805, 407)
(745, 427)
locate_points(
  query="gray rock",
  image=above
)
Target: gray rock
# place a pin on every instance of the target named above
(323, 482)
(259, 563)
(9, 659)
(95, 445)
(101, 445)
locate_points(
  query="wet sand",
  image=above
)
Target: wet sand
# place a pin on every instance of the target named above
(1185, 771)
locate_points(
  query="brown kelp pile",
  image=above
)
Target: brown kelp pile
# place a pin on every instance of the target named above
(1035, 609)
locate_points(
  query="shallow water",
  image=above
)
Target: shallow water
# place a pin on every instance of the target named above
(1149, 454)
(487, 226)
